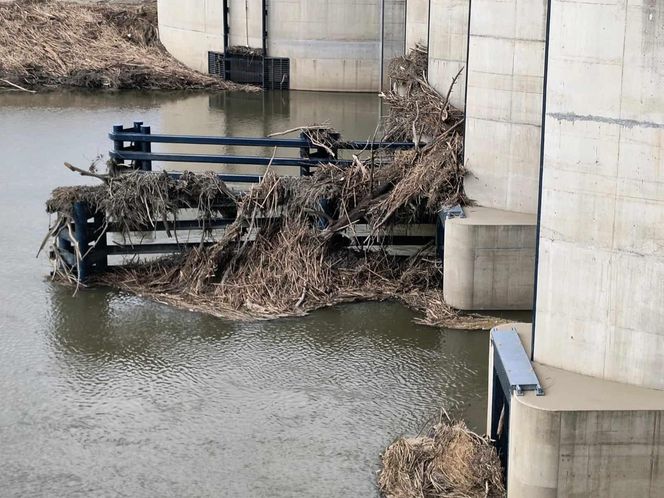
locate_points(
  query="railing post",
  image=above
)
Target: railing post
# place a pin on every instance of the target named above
(101, 244)
(305, 170)
(138, 164)
(118, 145)
(146, 164)
(81, 213)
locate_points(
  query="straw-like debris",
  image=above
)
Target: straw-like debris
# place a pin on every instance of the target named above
(450, 461)
(287, 252)
(245, 51)
(57, 44)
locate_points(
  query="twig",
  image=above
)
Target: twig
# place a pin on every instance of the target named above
(299, 128)
(82, 172)
(17, 86)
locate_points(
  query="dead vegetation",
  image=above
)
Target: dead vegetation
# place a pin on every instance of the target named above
(450, 461)
(285, 253)
(49, 43)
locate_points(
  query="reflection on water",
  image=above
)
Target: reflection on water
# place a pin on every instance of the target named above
(109, 394)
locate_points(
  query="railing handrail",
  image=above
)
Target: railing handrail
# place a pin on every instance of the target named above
(140, 140)
(222, 159)
(296, 143)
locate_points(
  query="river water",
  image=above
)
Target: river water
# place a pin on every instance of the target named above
(107, 394)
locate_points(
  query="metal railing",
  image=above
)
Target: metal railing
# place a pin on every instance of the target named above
(140, 140)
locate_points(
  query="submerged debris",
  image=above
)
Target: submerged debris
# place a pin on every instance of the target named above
(450, 461)
(57, 44)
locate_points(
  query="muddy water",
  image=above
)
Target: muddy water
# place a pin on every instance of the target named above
(106, 394)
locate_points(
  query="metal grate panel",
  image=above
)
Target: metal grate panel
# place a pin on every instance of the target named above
(216, 64)
(272, 73)
(277, 73)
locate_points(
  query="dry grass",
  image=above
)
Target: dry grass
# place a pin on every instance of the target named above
(57, 44)
(450, 461)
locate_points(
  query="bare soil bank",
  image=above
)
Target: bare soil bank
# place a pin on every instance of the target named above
(44, 43)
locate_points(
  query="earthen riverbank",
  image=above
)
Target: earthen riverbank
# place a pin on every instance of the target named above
(50, 44)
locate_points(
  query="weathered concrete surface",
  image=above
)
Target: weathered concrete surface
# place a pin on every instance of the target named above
(504, 103)
(585, 437)
(601, 262)
(489, 261)
(189, 30)
(332, 44)
(448, 46)
(417, 23)
(245, 23)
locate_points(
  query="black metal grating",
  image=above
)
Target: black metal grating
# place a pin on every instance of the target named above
(216, 65)
(272, 73)
(277, 73)
(243, 69)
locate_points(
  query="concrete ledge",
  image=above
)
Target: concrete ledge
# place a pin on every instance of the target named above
(489, 261)
(584, 437)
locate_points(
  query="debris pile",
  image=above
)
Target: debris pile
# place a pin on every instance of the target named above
(450, 461)
(56, 44)
(285, 254)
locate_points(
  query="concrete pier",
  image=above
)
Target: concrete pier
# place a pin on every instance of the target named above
(448, 47)
(585, 437)
(504, 103)
(490, 265)
(602, 214)
(489, 260)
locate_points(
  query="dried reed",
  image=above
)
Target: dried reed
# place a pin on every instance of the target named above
(450, 461)
(56, 44)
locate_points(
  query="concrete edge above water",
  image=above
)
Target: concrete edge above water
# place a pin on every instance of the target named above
(569, 391)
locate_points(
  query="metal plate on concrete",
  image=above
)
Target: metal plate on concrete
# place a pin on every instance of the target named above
(511, 363)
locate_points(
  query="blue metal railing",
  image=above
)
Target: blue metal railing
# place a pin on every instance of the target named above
(135, 144)
(140, 140)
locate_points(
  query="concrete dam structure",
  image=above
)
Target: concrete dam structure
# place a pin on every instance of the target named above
(333, 45)
(563, 138)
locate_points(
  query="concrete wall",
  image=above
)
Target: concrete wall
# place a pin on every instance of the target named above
(245, 23)
(332, 44)
(448, 42)
(504, 103)
(601, 261)
(395, 34)
(189, 30)
(417, 22)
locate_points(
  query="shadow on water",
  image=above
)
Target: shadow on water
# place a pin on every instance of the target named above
(108, 324)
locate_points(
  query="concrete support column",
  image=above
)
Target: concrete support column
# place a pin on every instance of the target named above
(601, 260)
(246, 23)
(394, 37)
(504, 103)
(584, 437)
(448, 45)
(490, 255)
(417, 23)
